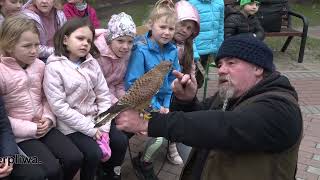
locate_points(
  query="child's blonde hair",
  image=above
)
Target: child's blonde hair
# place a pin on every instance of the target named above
(163, 8)
(11, 30)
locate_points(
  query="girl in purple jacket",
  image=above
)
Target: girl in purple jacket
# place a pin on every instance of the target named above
(48, 20)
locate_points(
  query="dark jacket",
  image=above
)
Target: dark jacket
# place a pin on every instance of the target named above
(237, 23)
(8, 146)
(253, 139)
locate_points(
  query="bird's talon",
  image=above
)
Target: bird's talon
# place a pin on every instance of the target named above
(146, 116)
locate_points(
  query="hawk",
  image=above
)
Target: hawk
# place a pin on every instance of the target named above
(138, 97)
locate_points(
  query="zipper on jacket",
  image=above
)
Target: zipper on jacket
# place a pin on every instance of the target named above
(88, 89)
(162, 54)
(29, 87)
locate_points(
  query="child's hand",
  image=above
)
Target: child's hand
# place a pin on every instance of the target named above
(5, 168)
(164, 110)
(104, 144)
(98, 135)
(43, 126)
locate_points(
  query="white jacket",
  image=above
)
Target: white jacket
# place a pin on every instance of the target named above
(76, 94)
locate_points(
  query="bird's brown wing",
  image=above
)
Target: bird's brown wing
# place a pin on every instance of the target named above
(137, 97)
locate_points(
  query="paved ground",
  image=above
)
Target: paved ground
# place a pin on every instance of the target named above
(306, 79)
(314, 31)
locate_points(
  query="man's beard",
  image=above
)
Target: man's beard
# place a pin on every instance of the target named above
(226, 90)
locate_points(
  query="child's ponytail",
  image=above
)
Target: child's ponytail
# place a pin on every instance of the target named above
(164, 4)
(163, 8)
(187, 57)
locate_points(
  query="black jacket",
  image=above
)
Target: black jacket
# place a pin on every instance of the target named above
(8, 146)
(269, 124)
(237, 23)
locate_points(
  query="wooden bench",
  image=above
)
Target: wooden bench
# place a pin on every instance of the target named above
(288, 31)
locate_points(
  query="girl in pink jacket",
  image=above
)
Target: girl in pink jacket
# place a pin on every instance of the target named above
(77, 92)
(32, 121)
(187, 28)
(115, 44)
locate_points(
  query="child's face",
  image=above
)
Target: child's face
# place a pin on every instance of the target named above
(162, 31)
(251, 8)
(121, 46)
(184, 29)
(9, 7)
(26, 49)
(78, 43)
(44, 6)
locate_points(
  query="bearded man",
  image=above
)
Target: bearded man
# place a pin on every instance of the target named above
(249, 130)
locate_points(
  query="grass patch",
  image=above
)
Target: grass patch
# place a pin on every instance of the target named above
(312, 12)
(312, 50)
(138, 11)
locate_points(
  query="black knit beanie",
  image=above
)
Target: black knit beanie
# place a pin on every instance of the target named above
(247, 48)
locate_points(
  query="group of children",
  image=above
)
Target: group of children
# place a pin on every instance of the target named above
(49, 17)
(51, 102)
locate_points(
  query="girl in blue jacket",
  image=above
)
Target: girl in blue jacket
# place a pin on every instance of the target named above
(149, 50)
(211, 34)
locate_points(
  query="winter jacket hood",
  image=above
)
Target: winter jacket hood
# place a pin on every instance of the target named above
(102, 45)
(274, 82)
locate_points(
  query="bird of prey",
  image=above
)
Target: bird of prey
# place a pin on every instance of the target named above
(140, 94)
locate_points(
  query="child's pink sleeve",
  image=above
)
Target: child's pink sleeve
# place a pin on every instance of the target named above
(22, 128)
(120, 90)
